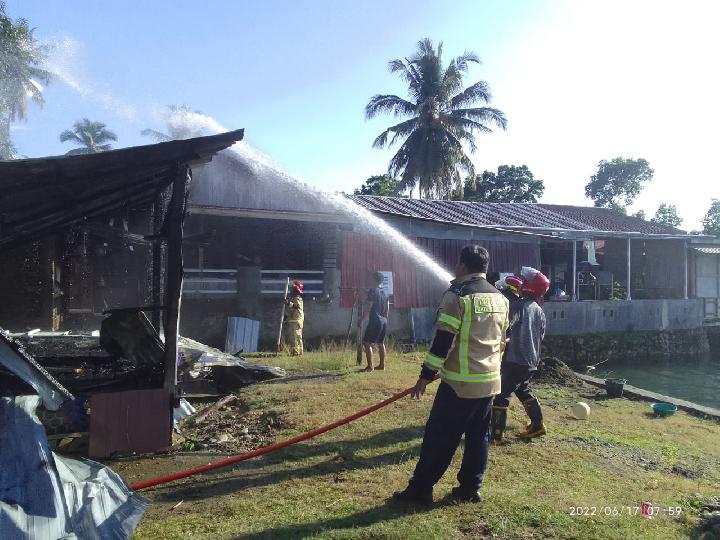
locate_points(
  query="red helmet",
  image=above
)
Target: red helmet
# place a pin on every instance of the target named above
(535, 283)
(513, 284)
(299, 287)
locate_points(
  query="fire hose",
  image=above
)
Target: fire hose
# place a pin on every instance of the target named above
(271, 448)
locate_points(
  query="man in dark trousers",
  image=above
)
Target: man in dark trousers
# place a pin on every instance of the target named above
(522, 357)
(376, 309)
(466, 352)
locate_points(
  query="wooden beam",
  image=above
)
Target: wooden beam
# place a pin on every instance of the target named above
(174, 229)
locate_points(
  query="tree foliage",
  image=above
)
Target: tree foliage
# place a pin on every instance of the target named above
(438, 119)
(383, 185)
(511, 183)
(618, 182)
(640, 214)
(711, 221)
(93, 137)
(21, 75)
(667, 215)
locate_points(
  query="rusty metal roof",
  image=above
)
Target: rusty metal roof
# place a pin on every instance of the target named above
(43, 195)
(513, 215)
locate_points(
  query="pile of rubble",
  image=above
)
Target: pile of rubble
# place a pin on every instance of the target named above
(551, 370)
(227, 425)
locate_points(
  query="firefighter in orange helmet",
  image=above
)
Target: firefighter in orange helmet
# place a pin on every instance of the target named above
(296, 318)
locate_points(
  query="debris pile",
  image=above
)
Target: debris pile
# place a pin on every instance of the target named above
(709, 520)
(552, 370)
(228, 425)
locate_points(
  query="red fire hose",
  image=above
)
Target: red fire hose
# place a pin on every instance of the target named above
(267, 449)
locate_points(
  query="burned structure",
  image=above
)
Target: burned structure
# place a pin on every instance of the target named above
(94, 242)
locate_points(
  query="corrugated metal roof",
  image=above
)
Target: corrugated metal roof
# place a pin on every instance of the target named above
(43, 195)
(708, 250)
(524, 215)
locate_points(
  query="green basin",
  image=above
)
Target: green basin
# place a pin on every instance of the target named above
(664, 409)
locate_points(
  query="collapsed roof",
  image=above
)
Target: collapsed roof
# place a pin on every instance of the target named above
(43, 195)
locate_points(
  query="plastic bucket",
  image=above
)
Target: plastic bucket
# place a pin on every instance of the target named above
(614, 387)
(664, 409)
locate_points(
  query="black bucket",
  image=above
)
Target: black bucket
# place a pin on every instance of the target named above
(614, 387)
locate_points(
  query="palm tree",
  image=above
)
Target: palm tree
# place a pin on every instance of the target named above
(93, 136)
(21, 77)
(439, 121)
(181, 123)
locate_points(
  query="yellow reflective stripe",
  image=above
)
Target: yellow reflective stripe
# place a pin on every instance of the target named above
(472, 377)
(465, 335)
(434, 361)
(452, 322)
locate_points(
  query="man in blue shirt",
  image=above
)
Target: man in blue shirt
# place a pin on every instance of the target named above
(377, 307)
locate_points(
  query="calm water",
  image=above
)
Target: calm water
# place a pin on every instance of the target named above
(695, 379)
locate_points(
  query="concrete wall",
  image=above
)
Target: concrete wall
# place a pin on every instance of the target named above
(576, 318)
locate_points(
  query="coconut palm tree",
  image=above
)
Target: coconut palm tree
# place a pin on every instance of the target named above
(21, 75)
(439, 121)
(93, 136)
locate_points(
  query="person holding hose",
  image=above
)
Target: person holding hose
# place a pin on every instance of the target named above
(296, 318)
(522, 357)
(466, 352)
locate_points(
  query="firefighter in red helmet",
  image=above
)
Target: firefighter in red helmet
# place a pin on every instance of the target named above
(296, 318)
(522, 355)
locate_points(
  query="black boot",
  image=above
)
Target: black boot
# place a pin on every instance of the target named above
(536, 428)
(462, 495)
(413, 495)
(498, 423)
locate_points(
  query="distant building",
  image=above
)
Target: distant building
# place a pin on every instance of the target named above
(610, 272)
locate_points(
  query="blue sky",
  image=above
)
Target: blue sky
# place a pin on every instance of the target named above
(579, 81)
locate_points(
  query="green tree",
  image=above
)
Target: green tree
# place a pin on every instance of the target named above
(383, 185)
(181, 122)
(438, 119)
(711, 221)
(667, 215)
(21, 75)
(511, 184)
(640, 214)
(93, 137)
(618, 182)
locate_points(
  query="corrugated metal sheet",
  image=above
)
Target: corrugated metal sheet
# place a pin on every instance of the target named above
(536, 216)
(134, 421)
(414, 287)
(242, 335)
(43, 195)
(44, 496)
(708, 250)
(363, 254)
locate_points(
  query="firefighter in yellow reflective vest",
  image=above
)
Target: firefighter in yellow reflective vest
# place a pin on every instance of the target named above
(296, 318)
(466, 351)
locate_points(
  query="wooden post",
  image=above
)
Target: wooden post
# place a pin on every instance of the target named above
(174, 229)
(156, 261)
(574, 297)
(359, 344)
(685, 261)
(628, 296)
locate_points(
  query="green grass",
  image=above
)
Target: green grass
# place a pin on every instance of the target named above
(337, 485)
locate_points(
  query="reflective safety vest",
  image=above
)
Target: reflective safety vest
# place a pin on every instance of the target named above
(476, 313)
(296, 313)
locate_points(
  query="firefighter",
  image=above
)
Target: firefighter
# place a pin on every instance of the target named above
(466, 352)
(296, 318)
(522, 357)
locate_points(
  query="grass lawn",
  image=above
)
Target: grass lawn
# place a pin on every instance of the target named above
(337, 485)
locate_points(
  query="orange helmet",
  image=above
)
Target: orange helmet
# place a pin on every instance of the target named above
(299, 287)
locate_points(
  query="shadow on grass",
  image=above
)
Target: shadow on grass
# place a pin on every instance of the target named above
(387, 511)
(340, 459)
